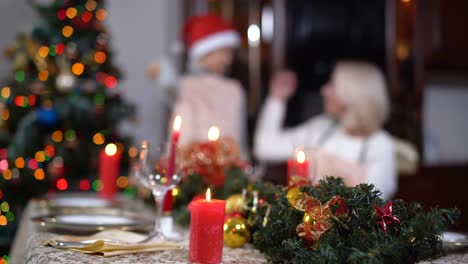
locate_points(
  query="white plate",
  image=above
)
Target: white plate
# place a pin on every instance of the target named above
(101, 220)
(81, 220)
(453, 237)
(80, 202)
(454, 241)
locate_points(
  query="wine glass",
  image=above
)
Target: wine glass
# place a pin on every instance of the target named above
(152, 170)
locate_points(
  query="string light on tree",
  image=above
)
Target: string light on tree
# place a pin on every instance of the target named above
(71, 12)
(5, 92)
(67, 31)
(78, 68)
(86, 16)
(43, 51)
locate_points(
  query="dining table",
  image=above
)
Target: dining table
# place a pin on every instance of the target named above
(28, 248)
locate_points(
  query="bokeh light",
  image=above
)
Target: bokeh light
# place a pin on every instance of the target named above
(70, 135)
(43, 75)
(49, 151)
(52, 51)
(120, 147)
(19, 162)
(253, 34)
(110, 82)
(122, 182)
(5, 207)
(78, 68)
(5, 114)
(132, 152)
(100, 57)
(39, 174)
(62, 184)
(84, 185)
(5, 92)
(99, 99)
(7, 175)
(10, 216)
(175, 191)
(111, 149)
(60, 48)
(3, 220)
(40, 156)
(101, 14)
(20, 76)
(62, 14)
(57, 136)
(15, 173)
(100, 76)
(43, 51)
(97, 186)
(91, 5)
(99, 139)
(3, 164)
(71, 12)
(21, 101)
(402, 51)
(86, 16)
(67, 31)
(32, 100)
(3, 153)
(33, 164)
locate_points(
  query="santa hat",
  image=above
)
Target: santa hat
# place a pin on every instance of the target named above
(206, 33)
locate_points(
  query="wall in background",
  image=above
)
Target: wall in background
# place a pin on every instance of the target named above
(143, 31)
(16, 16)
(445, 124)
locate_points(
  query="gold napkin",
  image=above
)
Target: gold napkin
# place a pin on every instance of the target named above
(113, 243)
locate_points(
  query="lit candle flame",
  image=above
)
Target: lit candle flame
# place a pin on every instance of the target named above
(177, 123)
(300, 156)
(213, 133)
(111, 149)
(144, 149)
(208, 194)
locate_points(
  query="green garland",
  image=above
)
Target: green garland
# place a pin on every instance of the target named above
(416, 237)
(361, 240)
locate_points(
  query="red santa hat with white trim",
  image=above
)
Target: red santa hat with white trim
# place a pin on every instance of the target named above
(206, 33)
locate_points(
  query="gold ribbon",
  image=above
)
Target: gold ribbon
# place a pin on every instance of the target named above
(317, 217)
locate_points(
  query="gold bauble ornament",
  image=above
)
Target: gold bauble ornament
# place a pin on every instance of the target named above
(293, 195)
(235, 203)
(236, 232)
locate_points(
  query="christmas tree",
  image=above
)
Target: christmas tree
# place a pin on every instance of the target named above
(61, 106)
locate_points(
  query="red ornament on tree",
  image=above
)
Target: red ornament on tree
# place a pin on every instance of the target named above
(385, 215)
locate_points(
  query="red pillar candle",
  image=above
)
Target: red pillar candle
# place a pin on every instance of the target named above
(171, 165)
(109, 168)
(206, 230)
(298, 166)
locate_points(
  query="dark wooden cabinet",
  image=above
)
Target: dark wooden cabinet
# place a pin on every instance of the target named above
(445, 35)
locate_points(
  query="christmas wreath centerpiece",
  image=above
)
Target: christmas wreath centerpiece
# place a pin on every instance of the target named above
(331, 223)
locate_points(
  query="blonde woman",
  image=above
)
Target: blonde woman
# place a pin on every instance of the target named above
(347, 140)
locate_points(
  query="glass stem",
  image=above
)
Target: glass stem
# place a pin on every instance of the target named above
(158, 198)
